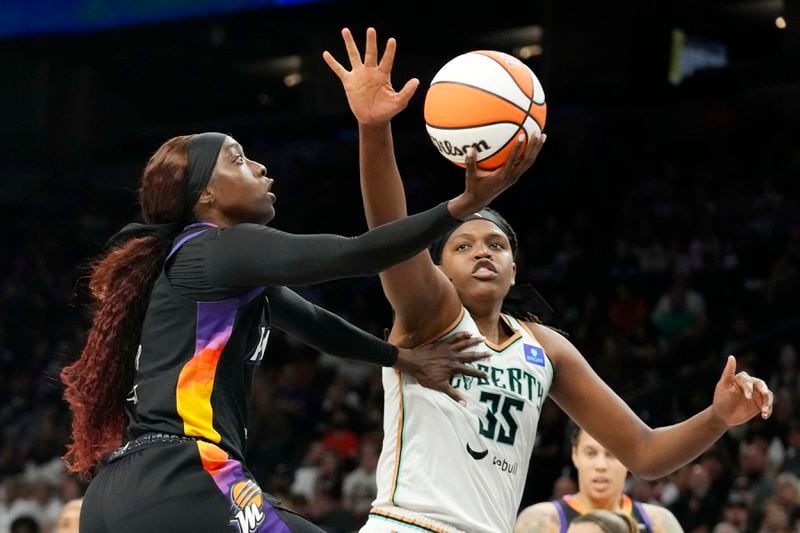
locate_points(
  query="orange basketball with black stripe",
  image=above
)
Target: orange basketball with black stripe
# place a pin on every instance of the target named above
(243, 493)
(485, 99)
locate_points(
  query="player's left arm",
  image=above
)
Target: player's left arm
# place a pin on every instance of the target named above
(648, 453)
(662, 519)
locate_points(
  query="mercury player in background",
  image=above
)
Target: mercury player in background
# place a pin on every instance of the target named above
(601, 479)
(447, 466)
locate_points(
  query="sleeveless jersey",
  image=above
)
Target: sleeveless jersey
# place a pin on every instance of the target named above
(195, 362)
(569, 509)
(463, 466)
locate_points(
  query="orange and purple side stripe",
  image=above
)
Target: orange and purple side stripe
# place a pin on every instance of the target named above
(242, 491)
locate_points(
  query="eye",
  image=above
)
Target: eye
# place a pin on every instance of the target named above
(239, 158)
(497, 245)
(462, 247)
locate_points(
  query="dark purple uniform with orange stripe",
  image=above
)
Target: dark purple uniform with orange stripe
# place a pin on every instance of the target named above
(204, 333)
(569, 509)
(195, 364)
(194, 370)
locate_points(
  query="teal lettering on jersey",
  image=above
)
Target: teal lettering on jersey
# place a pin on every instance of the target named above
(514, 380)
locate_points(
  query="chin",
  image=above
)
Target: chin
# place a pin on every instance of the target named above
(267, 217)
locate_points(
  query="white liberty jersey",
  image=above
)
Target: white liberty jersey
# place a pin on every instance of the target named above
(463, 467)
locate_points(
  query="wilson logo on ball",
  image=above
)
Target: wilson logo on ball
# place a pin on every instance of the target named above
(448, 149)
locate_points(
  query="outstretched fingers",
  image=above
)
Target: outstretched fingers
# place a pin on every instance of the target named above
(371, 48)
(467, 370)
(334, 65)
(387, 61)
(408, 90)
(461, 341)
(352, 49)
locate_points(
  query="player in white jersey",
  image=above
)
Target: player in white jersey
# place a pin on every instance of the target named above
(489, 441)
(433, 474)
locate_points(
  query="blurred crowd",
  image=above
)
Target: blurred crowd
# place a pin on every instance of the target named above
(664, 237)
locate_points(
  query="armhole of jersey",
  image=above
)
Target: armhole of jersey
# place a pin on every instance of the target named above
(187, 238)
(446, 331)
(644, 516)
(550, 364)
(563, 522)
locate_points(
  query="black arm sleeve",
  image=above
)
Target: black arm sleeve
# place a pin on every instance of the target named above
(324, 330)
(249, 255)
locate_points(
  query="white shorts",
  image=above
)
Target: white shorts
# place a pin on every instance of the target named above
(396, 520)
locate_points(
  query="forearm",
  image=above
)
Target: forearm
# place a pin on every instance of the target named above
(326, 331)
(381, 185)
(595, 407)
(251, 256)
(666, 449)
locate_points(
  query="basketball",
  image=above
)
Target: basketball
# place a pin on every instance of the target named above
(484, 99)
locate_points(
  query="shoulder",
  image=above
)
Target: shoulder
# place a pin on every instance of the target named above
(243, 228)
(662, 519)
(245, 235)
(555, 343)
(541, 517)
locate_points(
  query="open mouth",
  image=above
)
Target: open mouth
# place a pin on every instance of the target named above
(271, 195)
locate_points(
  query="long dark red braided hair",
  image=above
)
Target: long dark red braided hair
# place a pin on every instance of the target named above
(120, 284)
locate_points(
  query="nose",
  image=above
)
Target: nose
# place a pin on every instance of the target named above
(482, 251)
(260, 170)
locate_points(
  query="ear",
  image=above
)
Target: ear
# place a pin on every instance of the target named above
(206, 197)
(513, 274)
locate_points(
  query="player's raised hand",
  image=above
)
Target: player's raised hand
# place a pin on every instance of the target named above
(483, 186)
(368, 84)
(739, 397)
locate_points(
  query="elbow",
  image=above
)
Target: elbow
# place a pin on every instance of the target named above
(651, 466)
(647, 468)
(639, 468)
(644, 463)
(648, 474)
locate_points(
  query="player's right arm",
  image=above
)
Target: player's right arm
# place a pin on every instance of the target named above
(539, 518)
(424, 300)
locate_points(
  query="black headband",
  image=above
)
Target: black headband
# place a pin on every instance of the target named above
(203, 153)
(522, 301)
(484, 214)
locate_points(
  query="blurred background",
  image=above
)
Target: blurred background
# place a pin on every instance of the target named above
(661, 221)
